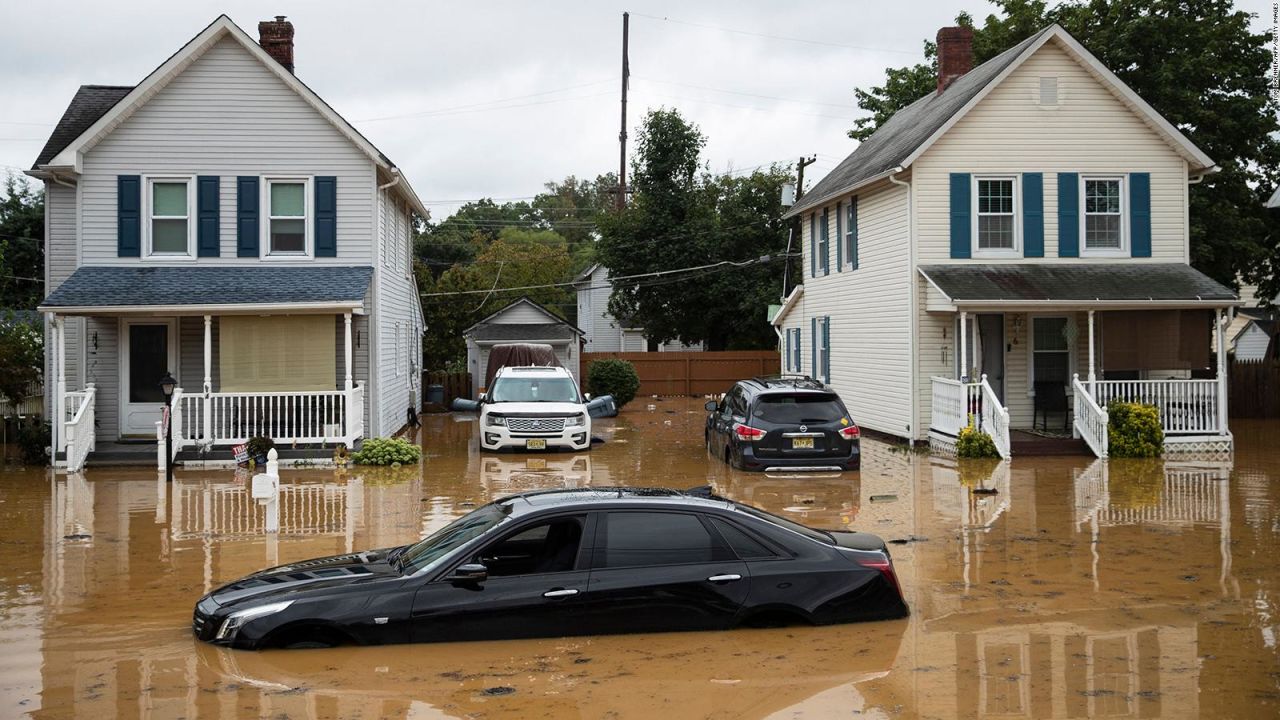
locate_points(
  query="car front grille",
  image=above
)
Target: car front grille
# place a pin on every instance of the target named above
(521, 424)
(198, 623)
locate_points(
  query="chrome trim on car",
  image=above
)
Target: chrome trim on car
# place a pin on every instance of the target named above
(803, 434)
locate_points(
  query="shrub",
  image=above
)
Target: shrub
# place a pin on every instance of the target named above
(973, 443)
(259, 446)
(613, 377)
(1134, 430)
(387, 451)
(34, 438)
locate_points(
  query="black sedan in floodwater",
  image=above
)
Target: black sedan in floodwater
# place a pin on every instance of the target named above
(566, 562)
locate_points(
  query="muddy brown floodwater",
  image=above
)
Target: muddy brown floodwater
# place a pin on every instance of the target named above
(1080, 589)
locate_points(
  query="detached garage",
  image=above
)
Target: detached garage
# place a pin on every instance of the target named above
(523, 321)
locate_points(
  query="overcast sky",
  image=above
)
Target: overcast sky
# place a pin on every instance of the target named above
(492, 99)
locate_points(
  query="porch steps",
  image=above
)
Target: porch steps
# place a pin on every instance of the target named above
(1023, 444)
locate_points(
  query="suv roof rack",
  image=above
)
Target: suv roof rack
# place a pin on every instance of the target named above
(793, 379)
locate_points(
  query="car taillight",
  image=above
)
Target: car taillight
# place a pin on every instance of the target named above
(885, 567)
(746, 432)
(850, 433)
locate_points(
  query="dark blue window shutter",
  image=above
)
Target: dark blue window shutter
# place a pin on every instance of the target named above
(853, 233)
(839, 237)
(826, 347)
(247, 200)
(1068, 215)
(327, 216)
(1140, 214)
(1033, 215)
(813, 347)
(813, 245)
(797, 366)
(129, 215)
(825, 258)
(207, 216)
(961, 227)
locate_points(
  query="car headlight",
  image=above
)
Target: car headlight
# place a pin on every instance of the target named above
(238, 618)
(576, 421)
(494, 419)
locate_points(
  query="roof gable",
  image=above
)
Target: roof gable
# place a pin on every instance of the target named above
(89, 103)
(496, 317)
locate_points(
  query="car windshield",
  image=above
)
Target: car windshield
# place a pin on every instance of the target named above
(426, 553)
(527, 389)
(819, 535)
(796, 409)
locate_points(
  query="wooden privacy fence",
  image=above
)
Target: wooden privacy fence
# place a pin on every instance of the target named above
(456, 384)
(1254, 389)
(691, 373)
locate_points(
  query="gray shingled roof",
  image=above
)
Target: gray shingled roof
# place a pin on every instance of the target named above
(1078, 282)
(908, 129)
(523, 332)
(90, 103)
(99, 286)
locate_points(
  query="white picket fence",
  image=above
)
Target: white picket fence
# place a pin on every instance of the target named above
(1187, 407)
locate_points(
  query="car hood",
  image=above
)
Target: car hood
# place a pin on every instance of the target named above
(316, 574)
(543, 409)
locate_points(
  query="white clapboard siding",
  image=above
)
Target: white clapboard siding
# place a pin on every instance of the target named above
(870, 311)
(394, 315)
(1252, 344)
(602, 332)
(227, 115)
(60, 262)
(1089, 131)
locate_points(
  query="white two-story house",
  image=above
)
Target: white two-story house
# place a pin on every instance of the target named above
(601, 331)
(1012, 248)
(221, 223)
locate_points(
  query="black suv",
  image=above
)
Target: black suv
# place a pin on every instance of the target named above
(783, 422)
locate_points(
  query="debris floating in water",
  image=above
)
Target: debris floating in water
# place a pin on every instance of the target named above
(500, 690)
(985, 491)
(883, 498)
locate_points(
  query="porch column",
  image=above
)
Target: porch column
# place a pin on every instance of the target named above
(964, 345)
(59, 386)
(1220, 322)
(346, 347)
(206, 419)
(1093, 378)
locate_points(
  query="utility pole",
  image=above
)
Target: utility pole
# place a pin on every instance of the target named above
(800, 173)
(622, 133)
(795, 226)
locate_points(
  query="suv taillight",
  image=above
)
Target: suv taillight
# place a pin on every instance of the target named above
(746, 432)
(850, 433)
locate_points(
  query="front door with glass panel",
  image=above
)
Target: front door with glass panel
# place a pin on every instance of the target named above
(985, 347)
(149, 349)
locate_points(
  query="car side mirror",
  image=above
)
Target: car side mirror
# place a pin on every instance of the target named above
(484, 397)
(470, 573)
(587, 396)
(711, 406)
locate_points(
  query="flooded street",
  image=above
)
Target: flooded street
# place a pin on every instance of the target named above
(1080, 589)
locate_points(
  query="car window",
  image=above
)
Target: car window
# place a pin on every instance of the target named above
(819, 535)
(746, 547)
(634, 539)
(546, 547)
(797, 409)
(526, 389)
(428, 552)
(737, 403)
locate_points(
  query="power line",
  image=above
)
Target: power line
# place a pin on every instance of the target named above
(480, 106)
(772, 37)
(746, 94)
(741, 107)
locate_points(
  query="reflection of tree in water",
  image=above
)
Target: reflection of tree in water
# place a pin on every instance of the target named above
(1136, 484)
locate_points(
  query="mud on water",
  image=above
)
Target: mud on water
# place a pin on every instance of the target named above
(1077, 590)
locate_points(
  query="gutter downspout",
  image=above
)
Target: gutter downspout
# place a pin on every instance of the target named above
(394, 182)
(911, 295)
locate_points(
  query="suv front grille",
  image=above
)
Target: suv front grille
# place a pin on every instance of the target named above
(520, 424)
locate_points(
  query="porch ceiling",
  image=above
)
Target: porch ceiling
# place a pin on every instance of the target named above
(1077, 285)
(103, 290)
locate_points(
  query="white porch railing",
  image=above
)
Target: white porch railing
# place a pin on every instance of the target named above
(1090, 419)
(955, 402)
(1187, 407)
(78, 426)
(994, 418)
(323, 416)
(950, 406)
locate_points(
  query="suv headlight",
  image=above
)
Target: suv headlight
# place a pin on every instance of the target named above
(576, 421)
(495, 419)
(238, 618)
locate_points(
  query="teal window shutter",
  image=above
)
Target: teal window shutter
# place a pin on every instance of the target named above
(786, 363)
(1068, 215)
(326, 216)
(247, 201)
(824, 247)
(207, 216)
(813, 245)
(961, 227)
(852, 238)
(826, 349)
(813, 347)
(1140, 214)
(129, 215)
(839, 237)
(799, 361)
(1033, 215)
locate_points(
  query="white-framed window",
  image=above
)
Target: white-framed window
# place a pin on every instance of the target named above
(287, 227)
(995, 215)
(822, 343)
(1051, 342)
(1102, 208)
(171, 213)
(399, 349)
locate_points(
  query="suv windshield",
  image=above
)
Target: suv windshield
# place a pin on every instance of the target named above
(526, 389)
(796, 409)
(428, 552)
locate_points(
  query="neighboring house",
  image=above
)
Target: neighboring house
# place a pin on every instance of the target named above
(602, 331)
(523, 321)
(1026, 223)
(1255, 339)
(221, 222)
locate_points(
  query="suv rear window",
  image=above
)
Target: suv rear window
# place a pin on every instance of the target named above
(796, 409)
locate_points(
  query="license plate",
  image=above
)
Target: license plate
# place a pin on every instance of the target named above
(536, 463)
(535, 444)
(801, 443)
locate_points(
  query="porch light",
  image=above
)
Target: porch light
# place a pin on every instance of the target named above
(167, 384)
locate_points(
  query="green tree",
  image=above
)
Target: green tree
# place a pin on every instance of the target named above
(1199, 65)
(460, 237)
(21, 244)
(682, 216)
(21, 355)
(572, 208)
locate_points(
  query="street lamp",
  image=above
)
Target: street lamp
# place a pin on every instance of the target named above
(167, 384)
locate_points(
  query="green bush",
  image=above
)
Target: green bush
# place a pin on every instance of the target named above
(973, 443)
(387, 451)
(613, 377)
(1134, 430)
(259, 446)
(34, 438)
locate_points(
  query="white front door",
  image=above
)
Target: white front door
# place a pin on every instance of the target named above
(148, 350)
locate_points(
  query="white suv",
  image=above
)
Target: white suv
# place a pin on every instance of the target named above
(534, 408)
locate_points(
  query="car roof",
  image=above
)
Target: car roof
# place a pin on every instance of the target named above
(593, 497)
(785, 384)
(534, 371)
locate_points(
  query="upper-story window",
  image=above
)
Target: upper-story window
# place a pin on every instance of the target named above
(1103, 212)
(287, 226)
(995, 215)
(170, 231)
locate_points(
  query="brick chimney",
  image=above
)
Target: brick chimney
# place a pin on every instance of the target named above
(276, 37)
(955, 54)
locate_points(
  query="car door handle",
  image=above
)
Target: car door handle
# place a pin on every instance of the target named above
(559, 593)
(723, 578)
